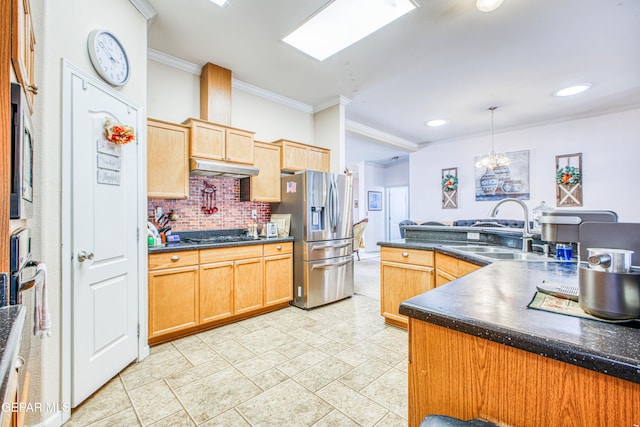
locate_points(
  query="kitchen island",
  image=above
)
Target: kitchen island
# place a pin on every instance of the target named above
(476, 350)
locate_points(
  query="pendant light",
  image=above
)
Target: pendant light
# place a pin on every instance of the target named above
(493, 160)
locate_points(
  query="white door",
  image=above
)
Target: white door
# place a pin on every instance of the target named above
(103, 243)
(398, 210)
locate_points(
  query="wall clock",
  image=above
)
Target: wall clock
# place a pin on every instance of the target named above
(108, 57)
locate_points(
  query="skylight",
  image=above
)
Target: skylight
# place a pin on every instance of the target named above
(219, 2)
(344, 22)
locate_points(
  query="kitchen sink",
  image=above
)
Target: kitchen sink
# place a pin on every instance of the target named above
(482, 249)
(501, 253)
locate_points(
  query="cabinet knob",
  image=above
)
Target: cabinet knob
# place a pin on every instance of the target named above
(405, 254)
(279, 247)
(33, 88)
(175, 258)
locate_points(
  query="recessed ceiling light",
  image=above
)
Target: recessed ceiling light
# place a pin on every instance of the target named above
(219, 2)
(573, 90)
(488, 5)
(342, 23)
(436, 122)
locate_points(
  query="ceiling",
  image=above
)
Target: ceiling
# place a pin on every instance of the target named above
(443, 60)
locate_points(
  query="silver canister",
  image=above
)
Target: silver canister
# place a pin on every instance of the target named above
(614, 296)
(610, 260)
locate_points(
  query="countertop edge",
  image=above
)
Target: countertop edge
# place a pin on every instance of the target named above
(191, 247)
(10, 351)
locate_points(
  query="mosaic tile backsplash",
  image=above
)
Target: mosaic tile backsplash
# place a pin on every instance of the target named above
(232, 213)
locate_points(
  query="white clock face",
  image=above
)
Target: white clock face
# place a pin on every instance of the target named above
(108, 57)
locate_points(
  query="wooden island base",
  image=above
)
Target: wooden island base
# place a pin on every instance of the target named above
(463, 376)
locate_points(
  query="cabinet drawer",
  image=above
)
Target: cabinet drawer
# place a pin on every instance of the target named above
(172, 259)
(407, 256)
(225, 254)
(278, 248)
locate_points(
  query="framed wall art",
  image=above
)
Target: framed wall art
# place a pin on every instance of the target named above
(569, 180)
(504, 181)
(375, 200)
(449, 185)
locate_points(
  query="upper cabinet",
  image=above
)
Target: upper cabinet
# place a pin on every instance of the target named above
(265, 187)
(295, 156)
(217, 142)
(23, 43)
(168, 160)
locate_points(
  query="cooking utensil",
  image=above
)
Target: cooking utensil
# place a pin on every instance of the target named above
(610, 260)
(614, 296)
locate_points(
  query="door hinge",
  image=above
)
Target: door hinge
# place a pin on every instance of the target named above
(138, 330)
(138, 233)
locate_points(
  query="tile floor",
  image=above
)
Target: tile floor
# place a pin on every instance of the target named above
(338, 365)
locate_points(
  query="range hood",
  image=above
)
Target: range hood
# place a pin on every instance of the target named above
(213, 168)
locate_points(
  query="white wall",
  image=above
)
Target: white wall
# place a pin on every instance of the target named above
(371, 178)
(61, 29)
(329, 132)
(610, 148)
(397, 174)
(174, 96)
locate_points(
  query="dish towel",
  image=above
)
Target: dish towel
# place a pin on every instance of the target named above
(42, 321)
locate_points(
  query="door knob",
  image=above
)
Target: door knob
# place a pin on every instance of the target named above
(83, 256)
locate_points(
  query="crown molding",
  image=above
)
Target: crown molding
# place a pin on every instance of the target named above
(380, 136)
(172, 61)
(338, 100)
(145, 8)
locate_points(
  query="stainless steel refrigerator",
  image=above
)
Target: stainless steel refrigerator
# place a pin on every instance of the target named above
(322, 224)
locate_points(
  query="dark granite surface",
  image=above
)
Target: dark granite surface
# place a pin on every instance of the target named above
(11, 323)
(184, 246)
(491, 303)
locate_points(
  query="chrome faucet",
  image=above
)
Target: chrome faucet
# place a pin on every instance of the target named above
(526, 232)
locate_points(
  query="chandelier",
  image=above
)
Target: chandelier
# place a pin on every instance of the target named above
(493, 160)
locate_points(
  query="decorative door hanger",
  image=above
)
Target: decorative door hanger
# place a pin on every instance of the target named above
(450, 188)
(569, 180)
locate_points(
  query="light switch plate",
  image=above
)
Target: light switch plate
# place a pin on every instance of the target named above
(473, 236)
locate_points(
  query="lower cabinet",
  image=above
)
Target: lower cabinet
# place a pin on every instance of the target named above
(195, 290)
(449, 268)
(404, 273)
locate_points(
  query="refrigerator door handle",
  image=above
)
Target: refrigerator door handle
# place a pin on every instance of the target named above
(329, 265)
(343, 245)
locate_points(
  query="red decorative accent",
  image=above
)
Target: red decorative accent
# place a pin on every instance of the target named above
(117, 133)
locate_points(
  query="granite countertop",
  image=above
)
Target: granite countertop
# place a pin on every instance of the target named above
(491, 303)
(12, 320)
(186, 246)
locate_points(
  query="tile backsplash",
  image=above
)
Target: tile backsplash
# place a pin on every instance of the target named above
(232, 213)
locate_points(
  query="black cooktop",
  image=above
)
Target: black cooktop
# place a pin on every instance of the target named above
(218, 239)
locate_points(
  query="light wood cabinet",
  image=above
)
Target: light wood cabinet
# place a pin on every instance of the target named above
(168, 160)
(248, 285)
(278, 273)
(216, 142)
(404, 273)
(216, 291)
(295, 156)
(170, 289)
(449, 268)
(23, 43)
(265, 187)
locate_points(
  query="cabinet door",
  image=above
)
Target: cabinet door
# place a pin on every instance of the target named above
(318, 159)
(294, 157)
(23, 42)
(173, 300)
(400, 282)
(207, 140)
(278, 279)
(168, 160)
(248, 285)
(239, 146)
(443, 277)
(266, 186)
(216, 291)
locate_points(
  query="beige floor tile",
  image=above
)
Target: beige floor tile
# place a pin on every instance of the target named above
(256, 323)
(390, 391)
(336, 418)
(365, 374)
(159, 355)
(359, 408)
(392, 420)
(233, 352)
(311, 338)
(264, 340)
(287, 404)
(261, 363)
(354, 356)
(231, 418)
(403, 366)
(322, 373)
(302, 362)
(189, 375)
(141, 377)
(333, 347)
(223, 333)
(123, 418)
(107, 401)
(179, 419)
(154, 402)
(195, 350)
(294, 348)
(386, 355)
(211, 396)
(269, 378)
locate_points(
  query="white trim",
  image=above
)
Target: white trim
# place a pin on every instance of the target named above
(380, 136)
(55, 420)
(338, 100)
(68, 71)
(145, 8)
(272, 96)
(189, 67)
(172, 61)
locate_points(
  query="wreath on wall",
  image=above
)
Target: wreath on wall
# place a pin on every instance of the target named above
(117, 133)
(569, 175)
(449, 182)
